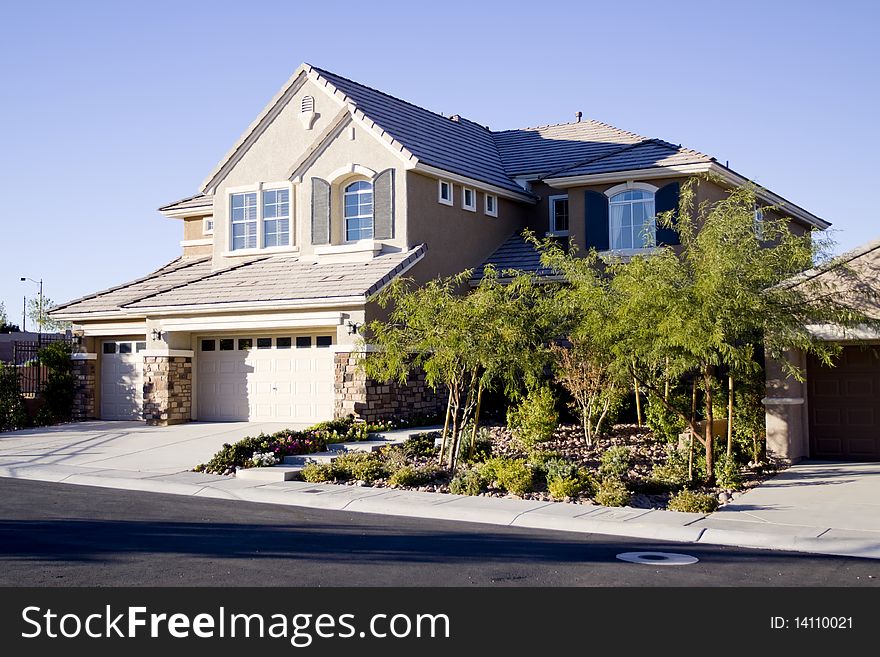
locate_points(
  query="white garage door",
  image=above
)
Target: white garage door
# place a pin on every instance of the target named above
(122, 380)
(285, 379)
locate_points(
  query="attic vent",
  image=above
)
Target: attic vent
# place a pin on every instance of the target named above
(307, 112)
(455, 117)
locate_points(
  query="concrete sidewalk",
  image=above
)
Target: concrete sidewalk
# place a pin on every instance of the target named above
(818, 508)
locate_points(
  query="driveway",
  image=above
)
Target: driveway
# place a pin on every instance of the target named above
(130, 447)
(809, 500)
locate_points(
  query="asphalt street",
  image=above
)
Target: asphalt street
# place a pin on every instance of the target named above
(65, 535)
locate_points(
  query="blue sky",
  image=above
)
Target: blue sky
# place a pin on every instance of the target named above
(112, 109)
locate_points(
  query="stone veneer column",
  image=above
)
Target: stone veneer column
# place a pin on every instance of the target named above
(167, 389)
(84, 384)
(370, 400)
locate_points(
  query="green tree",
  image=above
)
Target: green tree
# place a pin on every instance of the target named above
(494, 336)
(59, 389)
(12, 412)
(5, 326)
(38, 313)
(683, 314)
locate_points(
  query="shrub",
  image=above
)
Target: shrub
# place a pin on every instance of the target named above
(693, 502)
(482, 448)
(420, 445)
(360, 466)
(535, 419)
(616, 462)
(727, 472)
(412, 476)
(665, 424)
(467, 482)
(612, 492)
(673, 473)
(59, 389)
(12, 413)
(317, 472)
(512, 475)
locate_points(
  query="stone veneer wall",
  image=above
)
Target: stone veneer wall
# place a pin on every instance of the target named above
(370, 400)
(84, 382)
(167, 389)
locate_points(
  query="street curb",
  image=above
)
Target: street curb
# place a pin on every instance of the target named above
(552, 516)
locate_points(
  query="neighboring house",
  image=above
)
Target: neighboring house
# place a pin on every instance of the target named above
(334, 190)
(835, 413)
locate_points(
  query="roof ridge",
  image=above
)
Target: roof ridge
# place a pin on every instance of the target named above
(195, 280)
(567, 123)
(321, 71)
(183, 262)
(591, 160)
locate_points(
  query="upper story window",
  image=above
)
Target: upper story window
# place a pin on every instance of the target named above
(260, 218)
(468, 199)
(758, 222)
(559, 214)
(276, 217)
(244, 220)
(632, 220)
(491, 205)
(444, 192)
(358, 211)
(208, 226)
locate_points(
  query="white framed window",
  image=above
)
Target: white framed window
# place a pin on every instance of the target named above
(558, 205)
(468, 199)
(243, 208)
(208, 226)
(358, 211)
(444, 192)
(758, 223)
(276, 217)
(631, 215)
(490, 205)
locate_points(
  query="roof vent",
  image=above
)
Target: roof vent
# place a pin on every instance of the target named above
(455, 117)
(578, 115)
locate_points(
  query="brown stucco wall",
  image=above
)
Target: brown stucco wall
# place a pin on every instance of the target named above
(457, 239)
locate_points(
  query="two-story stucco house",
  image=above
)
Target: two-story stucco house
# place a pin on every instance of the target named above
(334, 190)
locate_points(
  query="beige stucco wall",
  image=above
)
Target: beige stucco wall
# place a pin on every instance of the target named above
(457, 239)
(283, 143)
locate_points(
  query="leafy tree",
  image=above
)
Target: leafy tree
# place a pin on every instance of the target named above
(12, 412)
(495, 336)
(691, 313)
(39, 315)
(5, 326)
(59, 389)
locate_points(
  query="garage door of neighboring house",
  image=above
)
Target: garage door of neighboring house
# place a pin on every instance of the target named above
(122, 380)
(844, 406)
(249, 377)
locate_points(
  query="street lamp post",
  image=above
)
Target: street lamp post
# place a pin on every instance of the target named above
(39, 310)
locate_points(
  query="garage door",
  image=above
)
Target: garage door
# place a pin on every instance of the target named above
(122, 380)
(287, 378)
(844, 406)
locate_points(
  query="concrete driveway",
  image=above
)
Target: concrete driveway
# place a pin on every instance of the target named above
(123, 446)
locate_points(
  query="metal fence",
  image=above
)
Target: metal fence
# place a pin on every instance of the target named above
(25, 356)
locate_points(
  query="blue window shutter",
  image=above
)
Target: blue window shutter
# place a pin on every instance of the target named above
(320, 211)
(596, 220)
(666, 199)
(383, 205)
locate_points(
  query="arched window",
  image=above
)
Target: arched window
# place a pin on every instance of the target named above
(358, 211)
(632, 220)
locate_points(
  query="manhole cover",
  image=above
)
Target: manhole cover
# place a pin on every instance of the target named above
(658, 558)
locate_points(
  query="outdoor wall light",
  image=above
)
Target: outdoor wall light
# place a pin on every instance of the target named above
(353, 327)
(158, 335)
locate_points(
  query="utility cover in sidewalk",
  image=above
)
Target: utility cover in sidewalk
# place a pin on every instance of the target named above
(658, 558)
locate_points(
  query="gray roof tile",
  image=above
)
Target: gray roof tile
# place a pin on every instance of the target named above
(205, 201)
(284, 278)
(175, 273)
(517, 254)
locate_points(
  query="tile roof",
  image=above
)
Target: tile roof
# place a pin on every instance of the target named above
(516, 254)
(644, 155)
(195, 201)
(461, 147)
(284, 278)
(175, 273)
